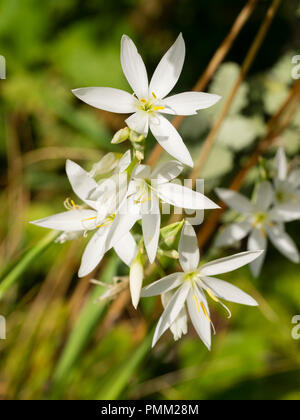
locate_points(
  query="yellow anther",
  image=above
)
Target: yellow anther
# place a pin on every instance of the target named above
(210, 293)
(90, 218)
(143, 100)
(205, 311)
(197, 304)
(154, 96)
(70, 204)
(157, 108)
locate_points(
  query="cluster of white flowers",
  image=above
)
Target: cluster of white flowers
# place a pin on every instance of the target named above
(120, 191)
(275, 202)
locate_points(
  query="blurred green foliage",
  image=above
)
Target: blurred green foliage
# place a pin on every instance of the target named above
(60, 342)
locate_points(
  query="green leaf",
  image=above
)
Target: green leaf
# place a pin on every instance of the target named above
(121, 375)
(14, 274)
(83, 329)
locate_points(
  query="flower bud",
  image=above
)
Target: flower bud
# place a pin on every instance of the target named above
(120, 136)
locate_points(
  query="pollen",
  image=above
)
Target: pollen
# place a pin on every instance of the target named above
(157, 108)
(154, 96)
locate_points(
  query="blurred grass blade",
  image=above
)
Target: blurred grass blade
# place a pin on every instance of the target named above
(83, 329)
(12, 276)
(121, 375)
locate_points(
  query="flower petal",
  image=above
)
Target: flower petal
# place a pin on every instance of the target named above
(287, 212)
(179, 326)
(168, 70)
(141, 172)
(171, 312)
(227, 264)
(265, 196)
(189, 255)
(136, 276)
(134, 67)
(235, 200)
(108, 99)
(163, 285)
(167, 171)
(139, 122)
(281, 164)
(294, 178)
(126, 248)
(284, 243)
(227, 291)
(188, 103)
(233, 233)
(151, 226)
(69, 221)
(94, 251)
(184, 197)
(169, 139)
(257, 241)
(198, 318)
(83, 184)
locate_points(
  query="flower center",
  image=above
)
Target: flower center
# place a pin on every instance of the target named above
(284, 196)
(149, 105)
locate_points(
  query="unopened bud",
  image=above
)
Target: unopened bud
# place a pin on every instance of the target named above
(120, 136)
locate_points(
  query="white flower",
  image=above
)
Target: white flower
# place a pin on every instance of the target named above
(110, 214)
(190, 287)
(261, 221)
(149, 100)
(287, 185)
(148, 188)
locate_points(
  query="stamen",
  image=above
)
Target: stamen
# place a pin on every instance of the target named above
(224, 306)
(157, 108)
(197, 304)
(143, 100)
(70, 204)
(210, 293)
(205, 311)
(154, 96)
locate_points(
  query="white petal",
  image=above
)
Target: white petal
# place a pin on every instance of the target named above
(227, 264)
(167, 171)
(68, 221)
(136, 276)
(83, 185)
(94, 251)
(141, 172)
(184, 197)
(284, 243)
(227, 291)
(294, 178)
(179, 326)
(287, 212)
(169, 139)
(171, 312)
(163, 285)
(188, 103)
(257, 240)
(124, 161)
(235, 200)
(198, 318)
(281, 164)
(189, 255)
(232, 233)
(125, 219)
(126, 248)
(108, 99)
(265, 196)
(134, 67)
(151, 226)
(106, 164)
(139, 122)
(168, 70)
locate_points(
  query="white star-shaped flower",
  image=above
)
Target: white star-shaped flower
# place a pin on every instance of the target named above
(110, 214)
(186, 291)
(149, 101)
(260, 221)
(149, 187)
